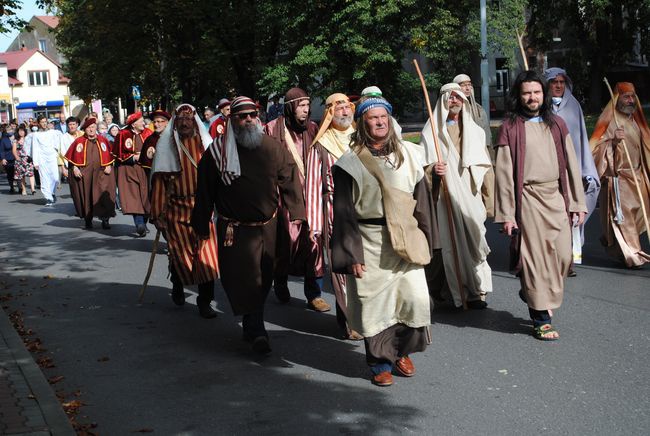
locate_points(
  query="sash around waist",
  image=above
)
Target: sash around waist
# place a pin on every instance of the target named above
(372, 221)
(550, 184)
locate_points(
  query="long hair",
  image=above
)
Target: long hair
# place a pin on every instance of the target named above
(515, 108)
(392, 144)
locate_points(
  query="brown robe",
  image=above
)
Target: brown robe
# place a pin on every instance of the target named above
(133, 184)
(268, 174)
(622, 239)
(539, 206)
(94, 193)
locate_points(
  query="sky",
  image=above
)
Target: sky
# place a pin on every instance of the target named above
(28, 10)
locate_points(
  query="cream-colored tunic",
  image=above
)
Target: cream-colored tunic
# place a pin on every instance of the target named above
(392, 290)
(544, 228)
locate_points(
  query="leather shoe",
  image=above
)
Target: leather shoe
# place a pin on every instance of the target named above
(319, 305)
(404, 366)
(477, 305)
(382, 379)
(282, 293)
(178, 294)
(207, 312)
(261, 345)
(105, 224)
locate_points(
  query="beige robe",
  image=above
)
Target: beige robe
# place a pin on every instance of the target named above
(392, 290)
(545, 230)
(622, 239)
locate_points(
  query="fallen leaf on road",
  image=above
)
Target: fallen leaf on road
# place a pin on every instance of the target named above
(103, 359)
(45, 362)
(55, 379)
(143, 430)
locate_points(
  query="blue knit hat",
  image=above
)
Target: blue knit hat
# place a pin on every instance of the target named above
(372, 103)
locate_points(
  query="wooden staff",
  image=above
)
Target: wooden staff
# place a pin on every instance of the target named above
(520, 40)
(154, 250)
(450, 218)
(629, 162)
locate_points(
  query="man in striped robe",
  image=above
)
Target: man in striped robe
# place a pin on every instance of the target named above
(174, 179)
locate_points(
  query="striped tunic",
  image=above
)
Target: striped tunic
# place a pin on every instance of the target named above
(172, 201)
(316, 190)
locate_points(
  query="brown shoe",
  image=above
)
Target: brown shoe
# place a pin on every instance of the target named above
(382, 379)
(404, 366)
(319, 305)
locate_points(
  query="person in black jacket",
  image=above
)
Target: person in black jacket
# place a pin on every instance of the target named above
(7, 157)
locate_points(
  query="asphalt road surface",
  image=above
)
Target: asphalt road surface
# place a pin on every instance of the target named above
(158, 367)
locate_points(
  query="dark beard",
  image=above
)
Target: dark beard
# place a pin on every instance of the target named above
(249, 136)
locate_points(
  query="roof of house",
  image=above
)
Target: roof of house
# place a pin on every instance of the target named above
(49, 20)
(15, 59)
(14, 82)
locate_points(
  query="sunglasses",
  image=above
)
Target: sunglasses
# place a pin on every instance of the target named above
(245, 115)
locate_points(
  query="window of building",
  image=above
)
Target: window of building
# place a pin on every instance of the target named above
(502, 75)
(38, 78)
(42, 45)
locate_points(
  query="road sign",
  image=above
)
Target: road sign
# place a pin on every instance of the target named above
(135, 91)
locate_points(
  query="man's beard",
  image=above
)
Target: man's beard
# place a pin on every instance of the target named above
(249, 135)
(455, 110)
(627, 109)
(342, 123)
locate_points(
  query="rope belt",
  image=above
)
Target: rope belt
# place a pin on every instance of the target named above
(229, 239)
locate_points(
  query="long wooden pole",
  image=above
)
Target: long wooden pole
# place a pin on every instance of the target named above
(450, 218)
(154, 250)
(520, 40)
(629, 162)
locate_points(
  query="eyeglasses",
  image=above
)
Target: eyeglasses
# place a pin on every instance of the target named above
(245, 115)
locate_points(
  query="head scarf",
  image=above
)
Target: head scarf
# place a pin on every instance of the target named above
(167, 157)
(371, 103)
(292, 99)
(108, 132)
(242, 104)
(471, 100)
(608, 114)
(334, 141)
(371, 91)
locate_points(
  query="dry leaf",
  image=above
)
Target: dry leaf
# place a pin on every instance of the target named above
(55, 379)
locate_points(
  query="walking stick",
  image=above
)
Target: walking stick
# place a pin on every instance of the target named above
(520, 40)
(629, 162)
(450, 218)
(154, 250)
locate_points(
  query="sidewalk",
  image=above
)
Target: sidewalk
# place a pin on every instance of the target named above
(28, 405)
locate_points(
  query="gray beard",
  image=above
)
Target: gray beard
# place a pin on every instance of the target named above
(455, 110)
(342, 122)
(249, 137)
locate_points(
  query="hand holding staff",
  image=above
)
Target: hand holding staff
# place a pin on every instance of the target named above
(629, 162)
(450, 217)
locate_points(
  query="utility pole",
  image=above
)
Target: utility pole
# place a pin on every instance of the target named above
(485, 77)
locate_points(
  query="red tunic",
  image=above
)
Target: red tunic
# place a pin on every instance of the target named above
(218, 128)
(174, 208)
(150, 142)
(124, 146)
(78, 150)
(132, 181)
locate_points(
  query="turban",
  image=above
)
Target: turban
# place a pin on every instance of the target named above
(552, 73)
(371, 103)
(371, 91)
(88, 121)
(223, 103)
(133, 118)
(461, 78)
(242, 104)
(160, 113)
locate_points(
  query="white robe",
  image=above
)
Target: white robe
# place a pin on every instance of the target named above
(44, 146)
(464, 179)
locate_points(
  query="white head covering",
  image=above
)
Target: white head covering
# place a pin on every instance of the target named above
(472, 99)
(167, 157)
(371, 91)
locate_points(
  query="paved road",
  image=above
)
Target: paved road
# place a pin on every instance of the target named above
(159, 367)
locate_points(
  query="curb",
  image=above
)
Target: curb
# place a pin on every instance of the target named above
(54, 416)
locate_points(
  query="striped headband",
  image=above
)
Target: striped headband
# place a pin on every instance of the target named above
(372, 103)
(241, 104)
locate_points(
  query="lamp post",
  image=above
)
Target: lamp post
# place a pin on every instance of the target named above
(485, 78)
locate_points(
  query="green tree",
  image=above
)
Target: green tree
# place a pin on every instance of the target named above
(8, 18)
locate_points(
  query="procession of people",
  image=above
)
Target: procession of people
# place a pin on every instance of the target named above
(391, 228)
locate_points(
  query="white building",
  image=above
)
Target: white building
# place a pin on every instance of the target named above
(36, 85)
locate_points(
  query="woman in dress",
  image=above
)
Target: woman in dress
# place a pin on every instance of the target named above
(24, 166)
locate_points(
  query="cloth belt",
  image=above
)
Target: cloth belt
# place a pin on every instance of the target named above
(229, 239)
(372, 221)
(181, 197)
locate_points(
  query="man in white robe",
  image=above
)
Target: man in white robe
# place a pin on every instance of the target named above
(462, 146)
(44, 145)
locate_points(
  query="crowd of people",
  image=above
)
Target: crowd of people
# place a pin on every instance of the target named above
(395, 225)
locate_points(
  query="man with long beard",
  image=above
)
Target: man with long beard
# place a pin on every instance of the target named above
(298, 255)
(174, 185)
(132, 180)
(244, 177)
(332, 140)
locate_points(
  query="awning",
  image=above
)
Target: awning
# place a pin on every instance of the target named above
(35, 104)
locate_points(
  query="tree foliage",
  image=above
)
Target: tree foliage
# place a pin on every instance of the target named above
(8, 18)
(200, 50)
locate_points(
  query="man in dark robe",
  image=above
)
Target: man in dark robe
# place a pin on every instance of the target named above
(92, 184)
(244, 176)
(173, 193)
(160, 119)
(132, 180)
(298, 255)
